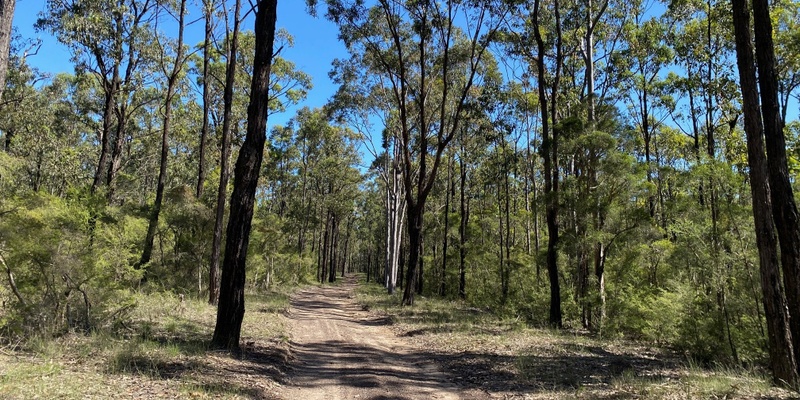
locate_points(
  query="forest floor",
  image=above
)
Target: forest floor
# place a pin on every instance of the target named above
(352, 341)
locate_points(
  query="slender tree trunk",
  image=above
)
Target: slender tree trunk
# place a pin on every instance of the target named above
(450, 187)
(550, 152)
(172, 81)
(784, 209)
(333, 247)
(325, 248)
(105, 134)
(201, 162)
(224, 160)
(6, 19)
(419, 280)
(462, 227)
(230, 311)
(414, 246)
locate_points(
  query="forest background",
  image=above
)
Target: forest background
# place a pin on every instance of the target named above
(578, 164)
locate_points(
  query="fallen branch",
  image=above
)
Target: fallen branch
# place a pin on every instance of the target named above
(11, 281)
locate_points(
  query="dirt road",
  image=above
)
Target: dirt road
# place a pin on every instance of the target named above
(343, 352)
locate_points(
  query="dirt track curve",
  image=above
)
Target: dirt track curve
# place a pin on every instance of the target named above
(342, 352)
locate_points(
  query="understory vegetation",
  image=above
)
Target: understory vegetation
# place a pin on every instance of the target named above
(159, 352)
(505, 356)
(567, 180)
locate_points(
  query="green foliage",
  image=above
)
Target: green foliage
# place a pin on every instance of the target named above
(70, 275)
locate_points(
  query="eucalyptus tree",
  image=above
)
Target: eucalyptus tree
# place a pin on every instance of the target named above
(45, 131)
(288, 86)
(109, 40)
(430, 65)
(230, 311)
(361, 100)
(6, 17)
(783, 362)
(173, 71)
(208, 32)
(548, 88)
(644, 56)
(232, 39)
(784, 207)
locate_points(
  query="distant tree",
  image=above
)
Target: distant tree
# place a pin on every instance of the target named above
(413, 45)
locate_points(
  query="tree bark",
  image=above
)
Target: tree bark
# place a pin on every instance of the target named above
(224, 160)
(781, 354)
(550, 153)
(447, 195)
(784, 209)
(109, 89)
(6, 20)
(230, 311)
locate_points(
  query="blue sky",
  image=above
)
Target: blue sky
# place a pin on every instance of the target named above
(315, 45)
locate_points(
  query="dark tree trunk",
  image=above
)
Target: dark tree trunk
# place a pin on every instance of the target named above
(334, 239)
(105, 134)
(550, 155)
(230, 311)
(784, 209)
(414, 247)
(172, 81)
(224, 160)
(447, 196)
(781, 349)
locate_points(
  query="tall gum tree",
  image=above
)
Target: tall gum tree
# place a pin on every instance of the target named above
(109, 41)
(230, 310)
(6, 17)
(431, 65)
(779, 337)
(784, 208)
(172, 73)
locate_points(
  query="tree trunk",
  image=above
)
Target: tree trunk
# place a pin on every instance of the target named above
(172, 81)
(109, 89)
(550, 153)
(201, 162)
(414, 246)
(230, 311)
(782, 359)
(784, 209)
(224, 160)
(462, 227)
(450, 187)
(116, 151)
(334, 248)
(6, 19)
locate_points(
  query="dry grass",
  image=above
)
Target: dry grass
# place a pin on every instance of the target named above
(159, 353)
(506, 359)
